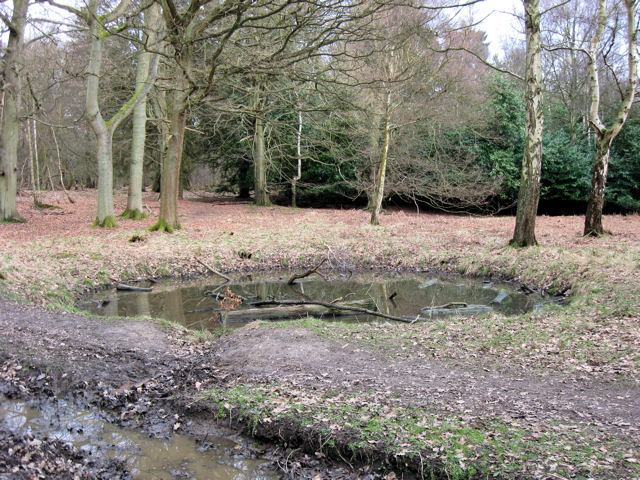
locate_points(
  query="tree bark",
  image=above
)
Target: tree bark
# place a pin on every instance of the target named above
(136, 167)
(169, 183)
(10, 124)
(261, 196)
(298, 175)
(105, 216)
(529, 194)
(605, 136)
(593, 217)
(382, 169)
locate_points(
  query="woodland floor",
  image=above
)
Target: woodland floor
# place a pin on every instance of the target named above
(549, 394)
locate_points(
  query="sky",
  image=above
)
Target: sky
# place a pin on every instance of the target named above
(500, 24)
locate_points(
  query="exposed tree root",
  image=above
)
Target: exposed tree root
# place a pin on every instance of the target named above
(108, 222)
(133, 214)
(163, 226)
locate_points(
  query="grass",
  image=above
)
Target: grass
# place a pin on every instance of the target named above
(448, 446)
(596, 336)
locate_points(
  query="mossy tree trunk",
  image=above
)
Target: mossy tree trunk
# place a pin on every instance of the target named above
(10, 124)
(605, 135)
(529, 195)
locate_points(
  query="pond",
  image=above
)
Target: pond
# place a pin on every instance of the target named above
(206, 304)
(146, 458)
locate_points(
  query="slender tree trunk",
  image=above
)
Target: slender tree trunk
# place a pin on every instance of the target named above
(59, 163)
(605, 136)
(529, 194)
(36, 157)
(382, 169)
(298, 176)
(169, 185)
(136, 167)
(10, 125)
(32, 167)
(595, 205)
(261, 197)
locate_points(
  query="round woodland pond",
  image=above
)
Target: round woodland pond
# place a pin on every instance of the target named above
(206, 305)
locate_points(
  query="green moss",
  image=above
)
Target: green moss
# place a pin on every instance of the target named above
(108, 222)
(133, 214)
(163, 226)
(16, 219)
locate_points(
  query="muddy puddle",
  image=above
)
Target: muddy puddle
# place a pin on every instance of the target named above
(200, 304)
(179, 457)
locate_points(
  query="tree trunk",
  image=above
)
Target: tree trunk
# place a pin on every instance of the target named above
(605, 136)
(529, 194)
(593, 217)
(136, 167)
(10, 124)
(382, 170)
(105, 217)
(261, 197)
(298, 175)
(169, 182)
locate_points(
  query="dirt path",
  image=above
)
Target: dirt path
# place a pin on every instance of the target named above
(264, 354)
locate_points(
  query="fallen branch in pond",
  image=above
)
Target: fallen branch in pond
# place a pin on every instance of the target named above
(215, 272)
(129, 288)
(298, 276)
(446, 305)
(339, 306)
(286, 312)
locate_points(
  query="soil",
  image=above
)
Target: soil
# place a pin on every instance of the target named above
(151, 377)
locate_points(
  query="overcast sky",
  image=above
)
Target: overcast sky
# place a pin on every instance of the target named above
(500, 25)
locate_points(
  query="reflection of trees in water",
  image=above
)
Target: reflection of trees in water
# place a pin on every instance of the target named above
(410, 294)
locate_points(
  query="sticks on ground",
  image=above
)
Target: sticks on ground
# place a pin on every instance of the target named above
(222, 275)
(297, 276)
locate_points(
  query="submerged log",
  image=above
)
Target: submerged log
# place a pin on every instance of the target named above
(129, 288)
(298, 310)
(463, 310)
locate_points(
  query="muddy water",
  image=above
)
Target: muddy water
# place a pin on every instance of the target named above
(147, 458)
(196, 304)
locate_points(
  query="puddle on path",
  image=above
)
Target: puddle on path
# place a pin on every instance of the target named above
(180, 457)
(194, 304)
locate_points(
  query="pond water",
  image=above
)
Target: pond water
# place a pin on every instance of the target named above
(146, 458)
(197, 304)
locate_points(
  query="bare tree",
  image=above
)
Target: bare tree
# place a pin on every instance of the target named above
(529, 194)
(9, 134)
(152, 22)
(200, 22)
(606, 134)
